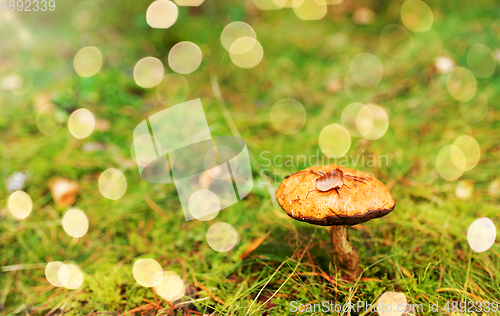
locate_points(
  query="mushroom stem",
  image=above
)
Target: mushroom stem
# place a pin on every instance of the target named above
(345, 253)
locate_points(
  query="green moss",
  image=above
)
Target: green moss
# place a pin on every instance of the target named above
(420, 249)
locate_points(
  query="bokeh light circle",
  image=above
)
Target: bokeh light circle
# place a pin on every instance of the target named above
(148, 72)
(396, 41)
(444, 64)
(75, 223)
(75, 276)
(49, 119)
(364, 121)
(494, 177)
(57, 273)
(471, 150)
(18, 82)
(309, 10)
(172, 90)
(349, 116)
(162, 14)
(494, 188)
(189, 3)
(455, 128)
(481, 60)
(372, 121)
(141, 150)
(204, 205)
(288, 116)
(450, 162)
(334, 140)
(391, 304)
(416, 15)
(12, 82)
(494, 173)
(222, 237)
(481, 234)
(85, 15)
(265, 5)
(184, 57)
(20, 204)
(112, 184)
(283, 3)
(81, 123)
(171, 287)
(88, 61)
(220, 172)
(363, 16)
(428, 45)
(366, 69)
(246, 52)
(234, 31)
(351, 88)
(221, 154)
(475, 110)
(461, 84)
(147, 272)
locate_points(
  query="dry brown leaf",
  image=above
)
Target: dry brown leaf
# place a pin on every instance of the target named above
(64, 191)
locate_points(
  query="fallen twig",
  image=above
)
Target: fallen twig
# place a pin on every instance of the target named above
(155, 207)
(206, 290)
(254, 245)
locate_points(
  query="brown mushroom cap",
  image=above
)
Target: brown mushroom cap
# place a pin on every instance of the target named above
(361, 203)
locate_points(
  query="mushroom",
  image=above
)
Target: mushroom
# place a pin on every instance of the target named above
(335, 196)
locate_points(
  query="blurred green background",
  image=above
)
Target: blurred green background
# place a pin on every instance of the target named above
(420, 249)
